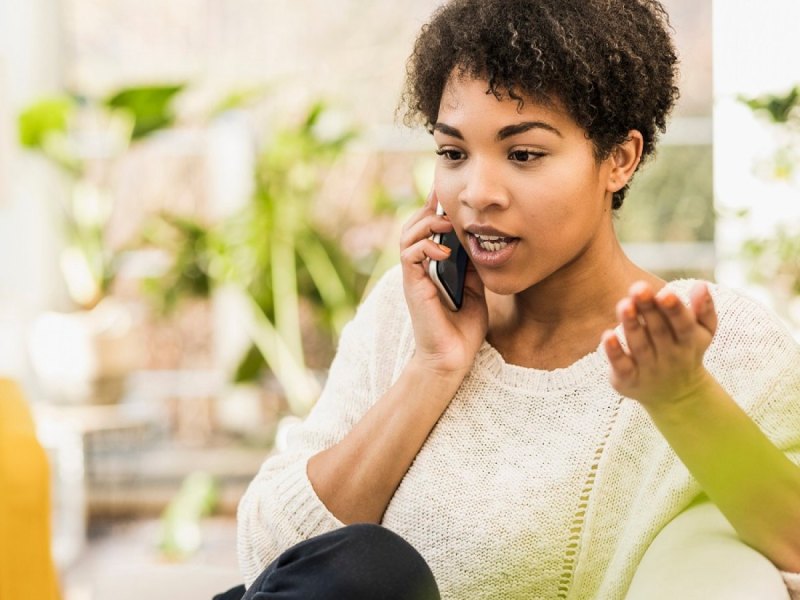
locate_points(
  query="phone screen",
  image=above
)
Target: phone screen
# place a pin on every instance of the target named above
(451, 273)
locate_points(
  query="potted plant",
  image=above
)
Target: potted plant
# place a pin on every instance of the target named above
(281, 254)
(86, 354)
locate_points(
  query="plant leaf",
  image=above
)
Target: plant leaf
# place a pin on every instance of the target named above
(777, 107)
(148, 105)
(44, 118)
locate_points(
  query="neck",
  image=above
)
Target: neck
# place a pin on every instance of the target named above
(561, 318)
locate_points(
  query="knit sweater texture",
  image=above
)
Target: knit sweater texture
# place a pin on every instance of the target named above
(533, 483)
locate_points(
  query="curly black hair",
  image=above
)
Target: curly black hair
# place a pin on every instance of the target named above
(610, 63)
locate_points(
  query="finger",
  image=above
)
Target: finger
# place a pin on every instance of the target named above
(431, 200)
(656, 324)
(429, 208)
(703, 307)
(424, 228)
(416, 216)
(680, 318)
(423, 250)
(640, 347)
(623, 367)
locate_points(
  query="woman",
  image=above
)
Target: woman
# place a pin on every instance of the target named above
(534, 443)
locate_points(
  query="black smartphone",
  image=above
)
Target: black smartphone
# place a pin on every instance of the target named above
(449, 274)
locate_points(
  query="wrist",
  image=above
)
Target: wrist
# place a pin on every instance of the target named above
(690, 402)
(427, 371)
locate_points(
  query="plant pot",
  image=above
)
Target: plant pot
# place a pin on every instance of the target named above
(86, 356)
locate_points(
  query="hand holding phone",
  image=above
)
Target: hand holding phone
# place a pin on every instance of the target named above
(449, 275)
(445, 341)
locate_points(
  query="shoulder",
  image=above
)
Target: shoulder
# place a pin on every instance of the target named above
(388, 286)
(384, 299)
(382, 314)
(753, 352)
(741, 318)
(376, 342)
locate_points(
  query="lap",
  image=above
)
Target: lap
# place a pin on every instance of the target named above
(358, 561)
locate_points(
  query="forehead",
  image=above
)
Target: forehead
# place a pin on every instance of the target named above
(468, 100)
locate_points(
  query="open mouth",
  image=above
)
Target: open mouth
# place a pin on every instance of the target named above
(491, 250)
(492, 243)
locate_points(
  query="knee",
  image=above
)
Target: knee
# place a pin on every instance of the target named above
(382, 564)
(362, 560)
(377, 541)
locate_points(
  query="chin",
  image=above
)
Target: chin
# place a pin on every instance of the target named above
(510, 282)
(504, 285)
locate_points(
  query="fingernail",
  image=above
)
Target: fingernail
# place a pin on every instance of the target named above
(629, 311)
(613, 342)
(669, 301)
(445, 248)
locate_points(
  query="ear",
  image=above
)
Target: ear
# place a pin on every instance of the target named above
(624, 159)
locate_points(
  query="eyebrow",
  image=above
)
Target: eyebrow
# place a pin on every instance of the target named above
(510, 130)
(447, 130)
(505, 132)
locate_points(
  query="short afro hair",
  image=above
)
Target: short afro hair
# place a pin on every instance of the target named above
(610, 63)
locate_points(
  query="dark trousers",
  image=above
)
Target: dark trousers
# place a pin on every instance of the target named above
(357, 562)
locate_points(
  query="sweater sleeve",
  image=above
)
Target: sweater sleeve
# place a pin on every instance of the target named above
(280, 507)
(767, 382)
(756, 359)
(779, 417)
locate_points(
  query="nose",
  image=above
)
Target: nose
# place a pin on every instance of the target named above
(483, 186)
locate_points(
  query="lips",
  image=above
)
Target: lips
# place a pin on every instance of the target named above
(489, 247)
(487, 231)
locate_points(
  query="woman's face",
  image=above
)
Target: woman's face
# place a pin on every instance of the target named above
(523, 189)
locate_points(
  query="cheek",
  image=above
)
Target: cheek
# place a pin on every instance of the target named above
(446, 186)
(562, 201)
(573, 187)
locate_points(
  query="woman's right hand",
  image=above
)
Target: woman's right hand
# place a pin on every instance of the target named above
(446, 341)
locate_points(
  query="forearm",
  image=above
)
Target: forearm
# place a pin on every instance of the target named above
(751, 481)
(357, 477)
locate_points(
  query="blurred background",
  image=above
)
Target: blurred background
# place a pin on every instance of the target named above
(195, 195)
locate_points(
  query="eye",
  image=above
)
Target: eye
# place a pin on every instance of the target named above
(525, 155)
(449, 154)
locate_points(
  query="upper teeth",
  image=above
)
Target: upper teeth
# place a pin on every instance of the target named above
(492, 243)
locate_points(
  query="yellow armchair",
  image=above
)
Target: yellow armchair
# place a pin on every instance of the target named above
(26, 565)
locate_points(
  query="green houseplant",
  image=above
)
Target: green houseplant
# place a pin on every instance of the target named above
(85, 355)
(75, 134)
(281, 252)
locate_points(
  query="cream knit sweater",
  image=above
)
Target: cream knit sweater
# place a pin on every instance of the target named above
(533, 484)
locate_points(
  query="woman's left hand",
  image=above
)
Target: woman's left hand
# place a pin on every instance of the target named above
(666, 340)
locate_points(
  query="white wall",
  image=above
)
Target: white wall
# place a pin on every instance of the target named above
(29, 236)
